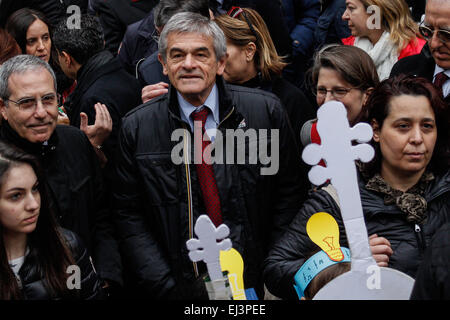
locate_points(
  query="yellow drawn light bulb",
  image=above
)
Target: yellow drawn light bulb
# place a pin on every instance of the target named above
(231, 261)
(323, 230)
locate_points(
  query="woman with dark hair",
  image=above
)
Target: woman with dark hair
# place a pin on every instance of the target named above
(405, 190)
(33, 33)
(37, 257)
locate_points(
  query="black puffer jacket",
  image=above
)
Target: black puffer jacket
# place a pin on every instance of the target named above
(151, 194)
(433, 277)
(77, 192)
(33, 287)
(408, 241)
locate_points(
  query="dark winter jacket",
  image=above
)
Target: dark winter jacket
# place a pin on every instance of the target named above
(408, 241)
(330, 26)
(103, 79)
(151, 195)
(297, 106)
(116, 15)
(138, 43)
(33, 287)
(53, 10)
(301, 19)
(433, 277)
(271, 12)
(150, 71)
(420, 65)
(76, 192)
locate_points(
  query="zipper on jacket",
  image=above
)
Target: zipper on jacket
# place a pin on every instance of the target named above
(419, 236)
(226, 117)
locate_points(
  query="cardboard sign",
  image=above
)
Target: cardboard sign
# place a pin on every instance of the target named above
(365, 280)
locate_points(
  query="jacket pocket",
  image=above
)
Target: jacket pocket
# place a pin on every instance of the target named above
(159, 176)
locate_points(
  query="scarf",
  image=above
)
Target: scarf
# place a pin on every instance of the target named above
(384, 53)
(411, 202)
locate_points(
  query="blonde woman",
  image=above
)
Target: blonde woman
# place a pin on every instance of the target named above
(384, 29)
(253, 62)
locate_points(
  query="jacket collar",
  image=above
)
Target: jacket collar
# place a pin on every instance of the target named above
(37, 149)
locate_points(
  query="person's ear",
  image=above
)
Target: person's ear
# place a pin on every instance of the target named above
(161, 60)
(376, 130)
(366, 95)
(67, 58)
(3, 109)
(221, 64)
(250, 51)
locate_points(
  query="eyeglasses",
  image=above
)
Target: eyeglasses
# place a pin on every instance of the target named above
(29, 104)
(427, 33)
(234, 12)
(337, 93)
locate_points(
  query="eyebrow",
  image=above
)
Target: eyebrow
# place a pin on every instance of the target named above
(409, 119)
(20, 189)
(181, 50)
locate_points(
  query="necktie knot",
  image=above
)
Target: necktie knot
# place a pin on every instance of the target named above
(440, 79)
(200, 115)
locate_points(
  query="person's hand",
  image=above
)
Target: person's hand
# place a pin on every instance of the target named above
(101, 129)
(381, 249)
(154, 90)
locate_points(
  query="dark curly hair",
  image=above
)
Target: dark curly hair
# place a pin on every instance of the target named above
(81, 43)
(377, 108)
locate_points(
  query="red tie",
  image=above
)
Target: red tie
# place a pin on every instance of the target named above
(205, 174)
(439, 81)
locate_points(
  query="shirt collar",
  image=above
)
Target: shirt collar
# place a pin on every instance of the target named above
(438, 69)
(212, 102)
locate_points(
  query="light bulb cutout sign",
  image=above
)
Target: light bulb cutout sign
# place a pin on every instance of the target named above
(323, 230)
(365, 280)
(231, 261)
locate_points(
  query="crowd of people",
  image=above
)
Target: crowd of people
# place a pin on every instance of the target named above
(91, 111)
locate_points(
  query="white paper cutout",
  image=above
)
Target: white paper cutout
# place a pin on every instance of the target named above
(207, 247)
(365, 280)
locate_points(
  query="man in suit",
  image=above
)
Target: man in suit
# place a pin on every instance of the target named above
(433, 63)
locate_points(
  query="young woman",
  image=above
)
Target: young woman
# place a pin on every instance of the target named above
(32, 32)
(37, 257)
(384, 29)
(405, 190)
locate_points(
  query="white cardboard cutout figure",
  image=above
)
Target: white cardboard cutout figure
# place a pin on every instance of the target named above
(365, 280)
(206, 247)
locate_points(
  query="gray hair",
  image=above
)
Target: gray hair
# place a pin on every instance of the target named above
(164, 10)
(188, 22)
(20, 64)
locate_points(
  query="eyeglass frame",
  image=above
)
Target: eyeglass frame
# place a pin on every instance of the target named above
(347, 90)
(439, 31)
(234, 12)
(33, 108)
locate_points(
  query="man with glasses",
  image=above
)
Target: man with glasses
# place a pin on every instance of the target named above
(433, 62)
(29, 106)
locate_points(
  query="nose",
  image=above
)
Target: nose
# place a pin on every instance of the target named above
(189, 62)
(40, 111)
(345, 15)
(416, 135)
(329, 97)
(40, 46)
(33, 201)
(435, 42)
